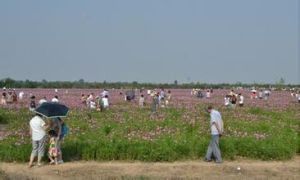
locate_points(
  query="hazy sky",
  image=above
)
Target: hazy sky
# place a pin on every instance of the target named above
(150, 40)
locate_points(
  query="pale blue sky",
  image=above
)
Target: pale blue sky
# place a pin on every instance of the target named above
(150, 40)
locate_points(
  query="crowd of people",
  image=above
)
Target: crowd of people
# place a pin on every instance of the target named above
(99, 103)
(295, 94)
(199, 93)
(232, 99)
(9, 97)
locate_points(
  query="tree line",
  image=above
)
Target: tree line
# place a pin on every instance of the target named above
(11, 83)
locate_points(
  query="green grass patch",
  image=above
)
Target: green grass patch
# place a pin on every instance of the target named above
(129, 133)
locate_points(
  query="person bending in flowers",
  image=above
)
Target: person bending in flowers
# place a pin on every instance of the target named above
(53, 152)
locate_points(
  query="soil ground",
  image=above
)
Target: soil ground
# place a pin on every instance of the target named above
(249, 169)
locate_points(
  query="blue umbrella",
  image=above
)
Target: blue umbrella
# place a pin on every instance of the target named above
(52, 110)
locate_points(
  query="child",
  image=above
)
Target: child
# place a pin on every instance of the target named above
(53, 152)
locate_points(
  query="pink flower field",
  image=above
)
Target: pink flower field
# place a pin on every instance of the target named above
(279, 100)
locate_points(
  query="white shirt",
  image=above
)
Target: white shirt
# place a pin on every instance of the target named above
(105, 102)
(208, 94)
(21, 95)
(42, 101)
(215, 116)
(241, 100)
(141, 101)
(55, 100)
(90, 98)
(92, 105)
(104, 93)
(227, 101)
(36, 125)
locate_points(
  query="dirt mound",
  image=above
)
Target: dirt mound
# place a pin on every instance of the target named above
(249, 169)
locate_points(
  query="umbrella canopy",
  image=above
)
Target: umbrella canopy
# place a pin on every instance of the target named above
(52, 110)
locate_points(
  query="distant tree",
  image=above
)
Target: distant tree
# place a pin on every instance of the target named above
(8, 82)
(135, 84)
(281, 81)
(176, 83)
(81, 81)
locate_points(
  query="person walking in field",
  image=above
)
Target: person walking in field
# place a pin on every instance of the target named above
(155, 103)
(233, 101)
(55, 99)
(216, 126)
(241, 100)
(227, 101)
(21, 95)
(260, 94)
(208, 94)
(38, 135)
(169, 96)
(43, 100)
(9, 98)
(15, 97)
(83, 99)
(142, 101)
(267, 94)
(32, 104)
(3, 99)
(105, 102)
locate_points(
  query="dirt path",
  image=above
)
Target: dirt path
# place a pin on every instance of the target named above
(250, 169)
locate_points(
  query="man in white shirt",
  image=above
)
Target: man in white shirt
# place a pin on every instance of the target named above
(43, 100)
(55, 99)
(241, 102)
(208, 94)
(21, 95)
(216, 126)
(104, 93)
(227, 100)
(92, 105)
(38, 135)
(105, 102)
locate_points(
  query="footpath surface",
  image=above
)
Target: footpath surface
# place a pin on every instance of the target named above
(238, 169)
